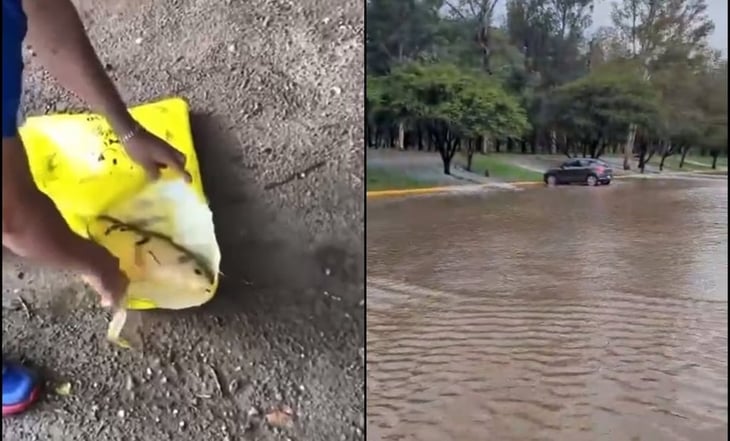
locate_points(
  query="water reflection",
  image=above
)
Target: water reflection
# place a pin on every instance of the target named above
(550, 314)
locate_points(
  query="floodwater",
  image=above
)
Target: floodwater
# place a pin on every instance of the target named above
(550, 314)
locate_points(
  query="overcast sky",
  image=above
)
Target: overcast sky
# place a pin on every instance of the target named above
(717, 9)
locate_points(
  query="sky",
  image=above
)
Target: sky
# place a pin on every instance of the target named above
(717, 9)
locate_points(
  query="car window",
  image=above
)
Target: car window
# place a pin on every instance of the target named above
(588, 162)
(572, 163)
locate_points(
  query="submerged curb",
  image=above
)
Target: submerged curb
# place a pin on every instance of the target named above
(442, 189)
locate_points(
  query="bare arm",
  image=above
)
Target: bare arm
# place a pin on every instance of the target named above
(32, 225)
(59, 38)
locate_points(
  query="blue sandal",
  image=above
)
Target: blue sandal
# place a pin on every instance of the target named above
(20, 388)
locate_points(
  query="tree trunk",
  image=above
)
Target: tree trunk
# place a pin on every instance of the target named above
(401, 136)
(629, 147)
(553, 142)
(447, 164)
(661, 163)
(714, 160)
(485, 144)
(685, 150)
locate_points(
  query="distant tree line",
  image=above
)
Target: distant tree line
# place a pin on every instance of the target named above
(445, 76)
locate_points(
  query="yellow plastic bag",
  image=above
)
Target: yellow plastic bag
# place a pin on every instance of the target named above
(78, 162)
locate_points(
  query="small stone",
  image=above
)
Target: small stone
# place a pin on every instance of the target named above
(129, 383)
(327, 271)
(163, 380)
(232, 48)
(174, 412)
(121, 413)
(138, 40)
(182, 424)
(336, 90)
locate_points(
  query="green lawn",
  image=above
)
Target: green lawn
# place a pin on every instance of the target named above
(380, 179)
(501, 169)
(691, 163)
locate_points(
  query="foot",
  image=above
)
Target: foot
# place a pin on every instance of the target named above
(20, 388)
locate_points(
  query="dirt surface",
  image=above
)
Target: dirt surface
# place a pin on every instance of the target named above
(275, 88)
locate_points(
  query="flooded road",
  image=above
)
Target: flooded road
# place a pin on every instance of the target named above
(550, 314)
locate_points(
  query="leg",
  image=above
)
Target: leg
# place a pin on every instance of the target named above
(20, 385)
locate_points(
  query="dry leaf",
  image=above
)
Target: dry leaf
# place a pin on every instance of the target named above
(63, 389)
(115, 329)
(281, 417)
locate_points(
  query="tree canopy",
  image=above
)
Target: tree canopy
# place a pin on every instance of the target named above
(449, 74)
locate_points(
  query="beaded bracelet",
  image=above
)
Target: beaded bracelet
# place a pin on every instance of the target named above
(131, 134)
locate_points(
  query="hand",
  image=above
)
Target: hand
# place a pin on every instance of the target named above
(153, 154)
(108, 280)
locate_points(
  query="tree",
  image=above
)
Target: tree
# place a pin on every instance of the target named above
(455, 106)
(652, 28)
(595, 110)
(481, 14)
(399, 31)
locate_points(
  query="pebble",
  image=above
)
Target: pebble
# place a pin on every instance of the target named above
(182, 424)
(121, 413)
(138, 40)
(232, 48)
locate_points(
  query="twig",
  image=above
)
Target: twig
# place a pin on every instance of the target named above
(24, 306)
(297, 175)
(217, 380)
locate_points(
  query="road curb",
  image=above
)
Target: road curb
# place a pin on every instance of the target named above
(442, 189)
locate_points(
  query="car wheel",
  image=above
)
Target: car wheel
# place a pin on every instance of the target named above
(591, 181)
(551, 181)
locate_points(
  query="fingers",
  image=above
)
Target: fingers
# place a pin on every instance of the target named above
(177, 162)
(174, 160)
(152, 169)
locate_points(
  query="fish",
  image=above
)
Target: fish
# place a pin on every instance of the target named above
(154, 263)
(155, 255)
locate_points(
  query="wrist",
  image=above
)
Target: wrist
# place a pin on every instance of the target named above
(94, 259)
(122, 123)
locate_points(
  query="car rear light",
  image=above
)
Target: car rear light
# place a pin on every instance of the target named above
(600, 169)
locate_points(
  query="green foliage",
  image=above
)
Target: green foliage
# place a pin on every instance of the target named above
(605, 103)
(652, 69)
(469, 103)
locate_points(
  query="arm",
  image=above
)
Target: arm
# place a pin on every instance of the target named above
(32, 225)
(59, 38)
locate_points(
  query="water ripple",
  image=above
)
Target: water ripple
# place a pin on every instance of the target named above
(550, 315)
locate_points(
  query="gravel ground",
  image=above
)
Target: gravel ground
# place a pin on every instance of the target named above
(275, 88)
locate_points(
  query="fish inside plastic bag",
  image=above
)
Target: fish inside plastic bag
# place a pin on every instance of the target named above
(164, 244)
(162, 231)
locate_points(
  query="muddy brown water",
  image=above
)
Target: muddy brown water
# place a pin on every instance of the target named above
(550, 314)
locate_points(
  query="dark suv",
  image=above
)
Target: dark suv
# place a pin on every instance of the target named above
(580, 171)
